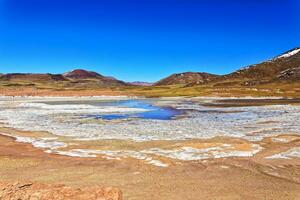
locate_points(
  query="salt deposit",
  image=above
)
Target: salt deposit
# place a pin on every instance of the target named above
(197, 125)
(117, 155)
(189, 153)
(184, 153)
(78, 108)
(44, 143)
(76, 120)
(199, 121)
(292, 153)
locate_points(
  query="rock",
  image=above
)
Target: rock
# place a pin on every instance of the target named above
(37, 191)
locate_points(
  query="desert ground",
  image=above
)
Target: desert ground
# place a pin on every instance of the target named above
(263, 169)
(224, 178)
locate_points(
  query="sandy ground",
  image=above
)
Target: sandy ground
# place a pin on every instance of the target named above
(225, 178)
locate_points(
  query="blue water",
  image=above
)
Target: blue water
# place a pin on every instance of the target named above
(155, 112)
(160, 114)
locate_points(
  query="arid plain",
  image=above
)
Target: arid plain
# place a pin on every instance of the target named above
(217, 167)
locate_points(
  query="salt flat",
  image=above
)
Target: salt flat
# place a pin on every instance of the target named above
(70, 121)
(78, 119)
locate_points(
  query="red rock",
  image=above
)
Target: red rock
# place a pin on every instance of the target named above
(37, 191)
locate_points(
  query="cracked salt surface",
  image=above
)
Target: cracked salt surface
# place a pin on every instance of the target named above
(79, 108)
(44, 143)
(292, 153)
(282, 140)
(184, 153)
(116, 155)
(67, 120)
(189, 153)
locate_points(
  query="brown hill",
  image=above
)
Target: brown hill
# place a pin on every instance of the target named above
(187, 78)
(75, 79)
(85, 78)
(32, 77)
(291, 74)
(284, 67)
(82, 74)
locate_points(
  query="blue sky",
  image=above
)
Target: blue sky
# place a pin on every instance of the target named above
(144, 40)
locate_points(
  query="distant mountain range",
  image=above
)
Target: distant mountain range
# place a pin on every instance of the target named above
(78, 78)
(283, 68)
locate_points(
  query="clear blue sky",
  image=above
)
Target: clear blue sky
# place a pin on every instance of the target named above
(144, 40)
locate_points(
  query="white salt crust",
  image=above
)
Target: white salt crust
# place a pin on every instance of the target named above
(292, 153)
(202, 122)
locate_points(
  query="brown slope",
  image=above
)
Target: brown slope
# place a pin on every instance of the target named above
(82, 74)
(284, 67)
(84, 78)
(32, 77)
(291, 74)
(187, 78)
(74, 79)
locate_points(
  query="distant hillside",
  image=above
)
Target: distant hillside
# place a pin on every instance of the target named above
(187, 78)
(78, 78)
(84, 78)
(32, 77)
(285, 67)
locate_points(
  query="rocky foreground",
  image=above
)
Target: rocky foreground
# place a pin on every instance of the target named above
(37, 191)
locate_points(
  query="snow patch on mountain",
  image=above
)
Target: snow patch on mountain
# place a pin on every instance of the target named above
(290, 53)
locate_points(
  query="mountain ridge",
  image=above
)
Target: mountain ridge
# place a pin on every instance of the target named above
(282, 68)
(75, 78)
(267, 71)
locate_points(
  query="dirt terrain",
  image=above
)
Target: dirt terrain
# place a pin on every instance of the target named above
(25, 169)
(225, 178)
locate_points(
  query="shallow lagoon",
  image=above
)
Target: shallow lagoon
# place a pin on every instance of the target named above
(147, 109)
(151, 111)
